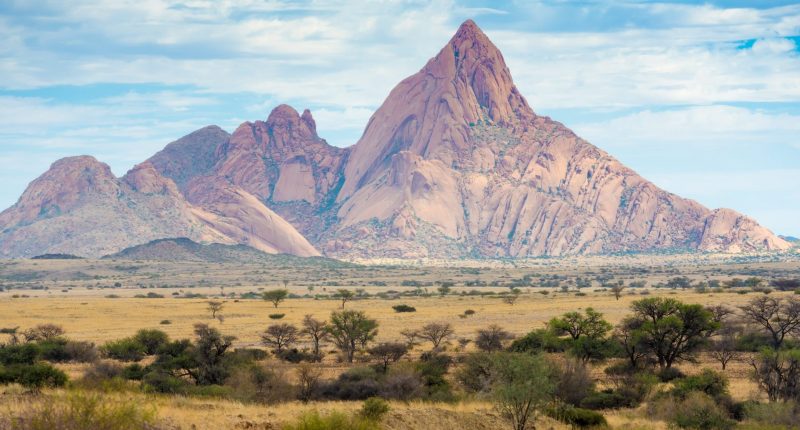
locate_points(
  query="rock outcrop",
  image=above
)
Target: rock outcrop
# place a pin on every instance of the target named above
(79, 207)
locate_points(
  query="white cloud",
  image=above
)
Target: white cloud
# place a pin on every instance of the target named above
(691, 126)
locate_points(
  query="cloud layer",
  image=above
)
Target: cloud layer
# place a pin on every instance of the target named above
(684, 93)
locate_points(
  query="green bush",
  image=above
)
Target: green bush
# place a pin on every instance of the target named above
(79, 411)
(779, 414)
(404, 308)
(26, 353)
(331, 421)
(127, 349)
(161, 382)
(374, 408)
(475, 372)
(576, 417)
(152, 340)
(538, 341)
(134, 372)
(696, 411)
(608, 399)
(60, 350)
(699, 411)
(669, 374)
(33, 376)
(708, 381)
(276, 316)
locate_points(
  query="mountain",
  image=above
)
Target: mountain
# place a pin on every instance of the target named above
(79, 207)
(183, 249)
(454, 163)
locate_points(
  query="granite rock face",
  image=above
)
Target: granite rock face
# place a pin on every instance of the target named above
(456, 151)
(454, 163)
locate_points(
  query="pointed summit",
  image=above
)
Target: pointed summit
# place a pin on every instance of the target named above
(429, 113)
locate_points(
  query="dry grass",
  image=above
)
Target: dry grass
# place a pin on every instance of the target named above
(87, 314)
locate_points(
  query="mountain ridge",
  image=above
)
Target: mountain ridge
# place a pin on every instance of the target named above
(454, 163)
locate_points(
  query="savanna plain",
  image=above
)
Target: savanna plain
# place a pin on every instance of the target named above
(630, 341)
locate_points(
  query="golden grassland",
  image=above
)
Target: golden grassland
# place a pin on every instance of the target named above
(201, 413)
(74, 294)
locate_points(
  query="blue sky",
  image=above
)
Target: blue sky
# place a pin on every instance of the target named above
(701, 98)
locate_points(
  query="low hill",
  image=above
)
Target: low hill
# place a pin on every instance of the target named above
(56, 257)
(183, 249)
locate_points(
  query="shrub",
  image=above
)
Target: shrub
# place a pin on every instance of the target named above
(276, 316)
(60, 350)
(469, 312)
(669, 374)
(294, 355)
(127, 349)
(134, 372)
(577, 417)
(81, 352)
(256, 383)
(99, 373)
(475, 373)
(81, 411)
(162, 382)
(404, 308)
(708, 381)
(538, 341)
(165, 322)
(403, 382)
(374, 408)
(574, 382)
(332, 421)
(699, 411)
(26, 353)
(33, 376)
(785, 415)
(607, 399)
(357, 383)
(152, 340)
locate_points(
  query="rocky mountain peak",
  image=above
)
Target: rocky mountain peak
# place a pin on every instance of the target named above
(144, 178)
(431, 113)
(286, 123)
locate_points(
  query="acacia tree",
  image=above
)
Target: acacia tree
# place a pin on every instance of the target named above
(275, 296)
(670, 330)
(411, 337)
(388, 352)
(214, 307)
(522, 385)
(723, 346)
(576, 324)
(351, 330)
(629, 337)
(209, 355)
(617, 289)
(318, 332)
(492, 338)
(42, 332)
(436, 332)
(778, 317)
(587, 333)
(512, 297)
(344, 295)
(279, 336)
(778, 374)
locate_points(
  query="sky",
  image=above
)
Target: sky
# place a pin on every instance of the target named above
(702, 98)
